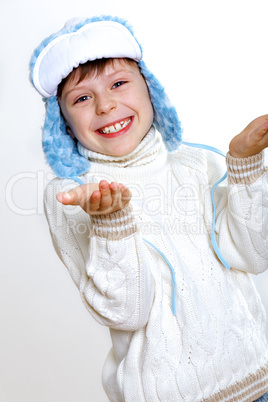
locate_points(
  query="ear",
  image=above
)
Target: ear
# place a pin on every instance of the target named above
(69, 131)
(68, 128)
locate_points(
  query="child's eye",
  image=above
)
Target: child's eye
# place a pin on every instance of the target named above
(118, 84)
(82, 99)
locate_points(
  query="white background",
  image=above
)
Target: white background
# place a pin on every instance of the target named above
(212, 58)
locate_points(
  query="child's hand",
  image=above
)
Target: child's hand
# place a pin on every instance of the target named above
(96, 199)
(252, 140)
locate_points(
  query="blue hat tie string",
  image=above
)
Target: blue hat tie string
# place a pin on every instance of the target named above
(174, 284)
(212, 233)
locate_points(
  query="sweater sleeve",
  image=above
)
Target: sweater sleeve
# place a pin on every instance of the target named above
(107, 260)
(242, 215)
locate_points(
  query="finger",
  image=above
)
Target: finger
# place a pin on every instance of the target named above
(63, 198)
(77, 195)
(125, 194)
(106, 197)
(94, 203)
(261, 130)
(256, 124)
(71, 197)
(116, 194)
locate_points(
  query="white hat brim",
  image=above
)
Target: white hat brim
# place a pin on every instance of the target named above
(96, 40)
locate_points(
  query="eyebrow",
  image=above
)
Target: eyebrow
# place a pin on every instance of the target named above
(119, 71)
(77, 87)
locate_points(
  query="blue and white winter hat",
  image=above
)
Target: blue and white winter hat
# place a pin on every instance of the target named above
(76, 43)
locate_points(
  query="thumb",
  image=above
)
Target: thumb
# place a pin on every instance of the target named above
(77, 195)
(72, 197)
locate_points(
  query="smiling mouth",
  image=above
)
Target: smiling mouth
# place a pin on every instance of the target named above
(115, 128)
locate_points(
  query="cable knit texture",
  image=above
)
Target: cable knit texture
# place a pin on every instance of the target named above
(214, 349)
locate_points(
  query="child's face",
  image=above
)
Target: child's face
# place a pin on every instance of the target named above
(109, 113)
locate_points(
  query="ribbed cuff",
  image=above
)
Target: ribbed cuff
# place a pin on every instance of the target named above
(114, 226)
(244, 170)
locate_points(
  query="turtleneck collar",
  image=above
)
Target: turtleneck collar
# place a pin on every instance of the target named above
(146, 152)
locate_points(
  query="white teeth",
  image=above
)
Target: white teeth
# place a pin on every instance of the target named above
(116, 127)
(126, 123)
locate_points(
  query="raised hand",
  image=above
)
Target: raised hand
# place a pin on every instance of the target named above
(252, 140)
(96, 199)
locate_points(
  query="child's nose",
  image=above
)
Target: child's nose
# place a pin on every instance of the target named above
(105, 103)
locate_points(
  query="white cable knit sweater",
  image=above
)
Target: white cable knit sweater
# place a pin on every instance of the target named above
(214, 349)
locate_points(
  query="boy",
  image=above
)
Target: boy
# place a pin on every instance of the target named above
(204, 341)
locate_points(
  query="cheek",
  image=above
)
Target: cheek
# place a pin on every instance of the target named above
(147, 104)
(80, 121)
(151, 110)
(148, 109)
(143, 103)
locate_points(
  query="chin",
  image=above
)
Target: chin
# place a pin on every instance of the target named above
(125, 152)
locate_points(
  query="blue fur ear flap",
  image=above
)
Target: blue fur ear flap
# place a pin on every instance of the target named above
(59, 148)
(165, 116)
